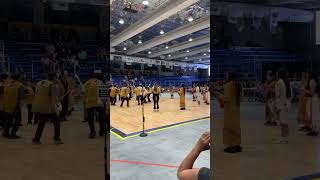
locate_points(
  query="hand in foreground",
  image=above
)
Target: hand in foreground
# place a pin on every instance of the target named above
(203, 143)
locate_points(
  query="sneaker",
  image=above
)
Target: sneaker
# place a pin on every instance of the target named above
(36, 141)
(267, 123)
(92, 135)
(274, 124)
(58, 141)
(230, 150)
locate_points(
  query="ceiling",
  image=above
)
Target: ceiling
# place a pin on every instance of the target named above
(165, 15)
(296, 4)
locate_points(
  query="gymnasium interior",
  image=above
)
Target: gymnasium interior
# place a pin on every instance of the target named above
(252, 38)
(167, 43)
(28, 32)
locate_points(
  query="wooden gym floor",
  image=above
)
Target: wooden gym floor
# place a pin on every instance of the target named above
(127, 121)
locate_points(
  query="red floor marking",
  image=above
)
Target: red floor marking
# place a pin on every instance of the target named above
(145, 163)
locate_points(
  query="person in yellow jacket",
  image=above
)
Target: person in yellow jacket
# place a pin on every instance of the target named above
(94, 104)
(156, 91)
(182, 94)
(28, 100)
(113, 95)
(3, 79)
(139, 94)
(124, 94)
(14, 93)
(44, 106)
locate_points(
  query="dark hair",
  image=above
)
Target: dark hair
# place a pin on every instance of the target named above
(51, 76)
(3, 77)
(16, 76)
(282, 74)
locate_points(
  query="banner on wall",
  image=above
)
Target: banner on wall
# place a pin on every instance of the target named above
(129, 60)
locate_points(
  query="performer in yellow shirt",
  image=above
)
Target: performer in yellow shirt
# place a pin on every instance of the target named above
(13, 95)
(139, 94)
(156, 90)
(113, 94)
(171, 90)
(124, 94)
(182, 94)
(94, 104)
(3, 80)
(44, 107)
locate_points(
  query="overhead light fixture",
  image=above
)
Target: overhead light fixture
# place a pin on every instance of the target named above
(149, 52)
(145, 3)
(161, 31)
(190, 18)
(200, 59)
(139, 42)
(190, 39)
(205, 54)
(188, 51)
(121, 21)
(169, 55)
(124, 48)
(167, 47)
(186, 58)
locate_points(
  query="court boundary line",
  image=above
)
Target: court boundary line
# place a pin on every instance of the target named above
(123, 136)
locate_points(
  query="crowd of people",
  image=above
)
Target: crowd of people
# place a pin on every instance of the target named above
(279, 93)
(51, 99)
(63, 51)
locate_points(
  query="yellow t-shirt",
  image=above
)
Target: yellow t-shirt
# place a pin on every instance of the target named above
(138, 91)
(42, 101)
(12, 96)
(92, 94)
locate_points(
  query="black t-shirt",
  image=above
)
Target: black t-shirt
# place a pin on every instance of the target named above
(204, 174)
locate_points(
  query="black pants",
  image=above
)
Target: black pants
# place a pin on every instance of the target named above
(155, 101)
(113, 100)
(12, 123)
(64, 105)
(3, 118)
(30, 114)
(43, 119)
(123, 99)
(148, 96)
(101, 119)
(139, 99)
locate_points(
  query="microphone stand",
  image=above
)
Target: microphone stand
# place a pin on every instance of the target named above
(143, 133)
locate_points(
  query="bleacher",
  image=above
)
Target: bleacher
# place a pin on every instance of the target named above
(247, 61)
(164, 81)
(27, 56)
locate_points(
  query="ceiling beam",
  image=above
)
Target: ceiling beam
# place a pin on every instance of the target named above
(168, 9)
(196, 58)
(191, 53)
(184, 45)
(187, 29)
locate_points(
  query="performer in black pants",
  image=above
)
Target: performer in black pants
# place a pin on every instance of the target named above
(156, 92)
(101, 116)
(43, 119)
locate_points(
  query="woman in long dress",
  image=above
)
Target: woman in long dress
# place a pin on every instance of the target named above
(232, 129)
(312, 105)
(182, 94)
(303, 104)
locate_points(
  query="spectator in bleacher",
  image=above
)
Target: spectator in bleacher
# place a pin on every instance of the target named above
(82, 55)
(45, 64)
